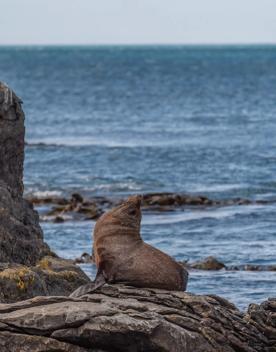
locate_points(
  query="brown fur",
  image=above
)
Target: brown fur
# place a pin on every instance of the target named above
(122, 256)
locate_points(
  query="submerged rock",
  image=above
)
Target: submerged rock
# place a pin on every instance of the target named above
(123, 318)
(21, 239)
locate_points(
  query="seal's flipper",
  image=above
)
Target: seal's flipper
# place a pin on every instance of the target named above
(91, 287)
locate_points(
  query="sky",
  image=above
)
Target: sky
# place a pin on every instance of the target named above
(137, 21)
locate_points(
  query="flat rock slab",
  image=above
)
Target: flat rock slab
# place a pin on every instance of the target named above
(121, 318)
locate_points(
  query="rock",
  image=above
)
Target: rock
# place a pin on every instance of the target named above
(251, 267)
(47, 200)
(248, 267)
(78, 208)
(58, 219)
(11, 342)
(209, 263)
(84, 258)
(77, 198)
(21, 239)
(12, 133)
(51, 276)
(174, 199)
(72, 209)
(121, 318)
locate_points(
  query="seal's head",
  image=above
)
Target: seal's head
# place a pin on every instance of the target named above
(126, 214)
(129, 211)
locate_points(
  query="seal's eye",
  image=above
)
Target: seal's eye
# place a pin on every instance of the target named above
(132, 212)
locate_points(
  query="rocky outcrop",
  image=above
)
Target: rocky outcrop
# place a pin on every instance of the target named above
(23, 272)
(21, 239)
(121, 318)
(51, 276)
(78, 208)
(12, 133)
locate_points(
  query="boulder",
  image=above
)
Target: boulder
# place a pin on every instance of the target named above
(121, 318)
(51, 276)
(21, 239)
(208, 263)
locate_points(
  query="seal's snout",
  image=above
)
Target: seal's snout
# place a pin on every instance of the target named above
(136, 200)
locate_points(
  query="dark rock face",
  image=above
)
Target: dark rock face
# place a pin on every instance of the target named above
(11, 140)
(121, 318)
(21, 239)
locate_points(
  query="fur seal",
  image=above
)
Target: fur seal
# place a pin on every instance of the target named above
(122, 256)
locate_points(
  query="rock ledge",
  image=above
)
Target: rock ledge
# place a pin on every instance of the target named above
(122, 318)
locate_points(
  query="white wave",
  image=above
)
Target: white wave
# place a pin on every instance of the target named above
(119, 186)
(91, 141)
(217, 213)
(217, 187)
(112, 187)
(44, 194)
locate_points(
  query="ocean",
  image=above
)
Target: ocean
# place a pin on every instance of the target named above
(120, 120)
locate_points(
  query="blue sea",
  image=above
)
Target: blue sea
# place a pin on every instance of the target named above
(115, 120)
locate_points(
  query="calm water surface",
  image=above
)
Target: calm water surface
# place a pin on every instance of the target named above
(121, 120)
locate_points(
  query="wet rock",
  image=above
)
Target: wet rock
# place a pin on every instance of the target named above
(47, 200)
(79, 208)
(251, 267)
(21, 238)
(73, 209)
(76, 198)
(209, 263)
(121, 318)
(84, 258)
(58, 219)
(51, 276)
(248, 267)
(174, 199)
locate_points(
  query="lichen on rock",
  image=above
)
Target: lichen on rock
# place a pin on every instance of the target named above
(51, 276)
